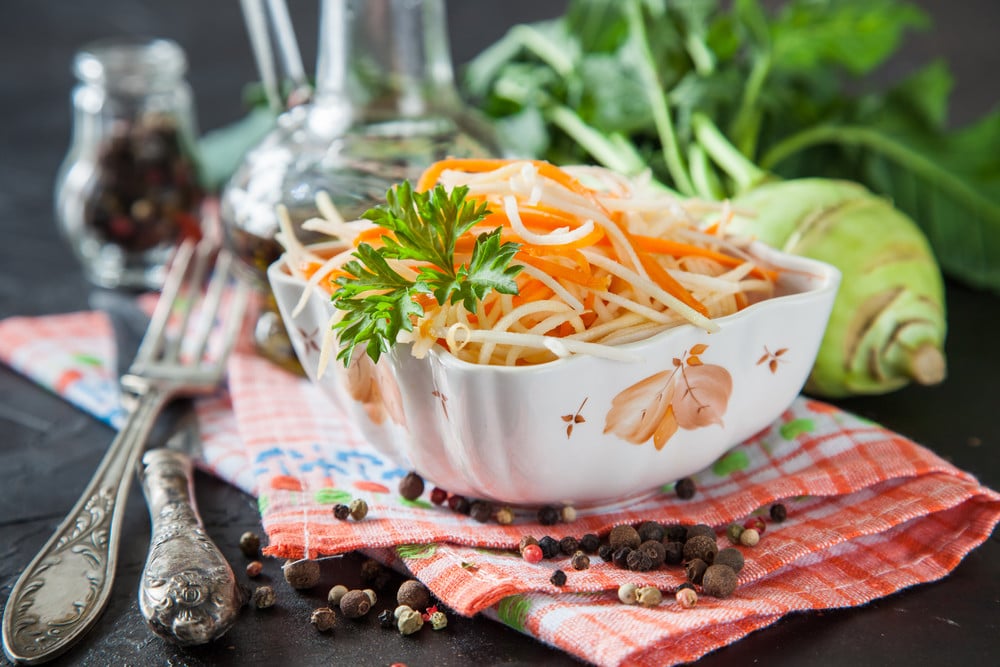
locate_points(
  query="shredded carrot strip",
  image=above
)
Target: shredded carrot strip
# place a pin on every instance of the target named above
(559, 271)
(663, 246)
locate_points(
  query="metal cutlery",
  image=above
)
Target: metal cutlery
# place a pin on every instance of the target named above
(66, 586)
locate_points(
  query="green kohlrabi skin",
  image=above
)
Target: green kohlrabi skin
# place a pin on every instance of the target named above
(887, 327)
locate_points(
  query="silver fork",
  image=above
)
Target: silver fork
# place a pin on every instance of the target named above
(66, 586)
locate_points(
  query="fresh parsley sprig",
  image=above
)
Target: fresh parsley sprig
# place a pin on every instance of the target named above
(379, 303)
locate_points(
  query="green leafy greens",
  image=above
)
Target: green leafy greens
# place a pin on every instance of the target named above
(379, 303)
(634, 84)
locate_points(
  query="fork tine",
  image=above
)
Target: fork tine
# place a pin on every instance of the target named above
(156, 330)
(211, 302)
(194, 278)
(234, 320)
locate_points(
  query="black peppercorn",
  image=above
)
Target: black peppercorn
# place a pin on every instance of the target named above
(569, 545)
(651, 530)
(580, 561)
(590, 543)
(675, 533)
(341, 511)
(695, 570)
(699, 529)
(685, 488)
(655, 550)
(624, 536)
(411, 486)
(731, 557)
(549, 547)
(620, 557)
(558, 578)
(549, 515)
(639, 561)
(459, 504)
(250, 544)
(701, 546)
(778, 512)
(387, 620)
(606, 552)
(673, 553)
(481, 511)
(686, 584)
(719, 581)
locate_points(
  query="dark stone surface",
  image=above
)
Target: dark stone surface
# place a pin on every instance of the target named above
(48, 449)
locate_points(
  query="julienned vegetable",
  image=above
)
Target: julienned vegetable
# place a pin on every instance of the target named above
(888, 322)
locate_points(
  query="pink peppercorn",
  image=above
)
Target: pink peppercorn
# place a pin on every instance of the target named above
(532, 553)
(757, 524)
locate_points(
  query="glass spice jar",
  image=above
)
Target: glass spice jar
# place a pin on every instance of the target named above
(385, 107)
(128, 190)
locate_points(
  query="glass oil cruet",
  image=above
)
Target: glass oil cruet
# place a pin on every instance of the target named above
(385, 106)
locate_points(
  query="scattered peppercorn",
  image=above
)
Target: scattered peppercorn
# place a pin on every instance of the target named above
(341, 511)
(733, 532)
(627, 593)
(400, 610)
(569, 545)
(254, 568)
(590, 543)
(685, 488)
(778, 512)
(549, 515)
(411, 486)
(355, 604)
(687, 597)
(620, 557)
(359, 509)
(532, 553)
(337, 592)
(438, 495)
(750, 537)
(580, 561)
(374, 575)
(409, 621)
(549, 546)
(651, 530)
(673, 553)
(675, 533)
(323, 619)
(372, 597)
(698, 529)
(701, 546)
(757, 524)
(731, 557)
(481, 511)
(438, 620)
(558, 578)
(624, 536)
(568, 514)
(505, 516)
(639, 561)
(250, 544)
(686, 584)
(525, 541)
(655, 550)
(413, 594)
(606, 552)
(301, 574)
(719, 581)
(386, 619)
(695, 570)
(459, 504)
(263, 597)
(649, 596)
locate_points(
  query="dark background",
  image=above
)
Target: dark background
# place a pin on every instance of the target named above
(48, 449)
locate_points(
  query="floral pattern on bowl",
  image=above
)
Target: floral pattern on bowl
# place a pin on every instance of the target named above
(575, 430)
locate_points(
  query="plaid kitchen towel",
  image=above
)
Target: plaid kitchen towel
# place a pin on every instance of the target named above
(869, 511)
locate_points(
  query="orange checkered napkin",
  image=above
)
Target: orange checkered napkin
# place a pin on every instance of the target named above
(869, 511)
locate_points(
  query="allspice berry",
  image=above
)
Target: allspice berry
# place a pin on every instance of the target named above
(624, 536)
(301, 574)
(698, 529)
(656, 552)
(323, 619)
(411, 486)
(263, 597)
(639, 561)
(250, 544)
(695, 570)
(719, 581)
(413, 594)
(651, 530)
(337, 592)
(355, 604)
(409, 621)
(731, 557)
(701, 546)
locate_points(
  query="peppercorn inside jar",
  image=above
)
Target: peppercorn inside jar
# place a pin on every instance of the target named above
(128, 190)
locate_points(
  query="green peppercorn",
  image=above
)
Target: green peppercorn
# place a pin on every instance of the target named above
(411, 486)
(624, 536)
(358, 509)
(323, 619)
(701, 546)
(719, 581)
(673, 553)
(569, 545)
(250, 544)
(695, 570)
(778, 512)
(558, 578)
(733, 532)
(698, 529)
(505, 516)
(648, 596)
(481, 511)
(651, 530)
(341, 511)
(549, 515)
(438, 620)
(731, 557)
(685, 488)
(409, 621)
(580, 561)
(656, 552)
(549, 546)
(590, 543)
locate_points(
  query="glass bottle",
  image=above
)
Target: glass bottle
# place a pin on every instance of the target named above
(127, 190)
(385, 107)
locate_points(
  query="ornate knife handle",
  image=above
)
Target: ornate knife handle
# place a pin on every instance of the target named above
(66, 586)
(188, 593)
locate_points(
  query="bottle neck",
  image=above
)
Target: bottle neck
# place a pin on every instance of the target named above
(384, 58)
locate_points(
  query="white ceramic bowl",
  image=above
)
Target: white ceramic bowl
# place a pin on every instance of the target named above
(581, 430)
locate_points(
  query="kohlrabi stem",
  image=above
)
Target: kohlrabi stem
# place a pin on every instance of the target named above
(746, 125)
(706, 181)
(538, 44)
(744, 172)
(621, 157)
(658, 101)
(700, 54)
(890, 148)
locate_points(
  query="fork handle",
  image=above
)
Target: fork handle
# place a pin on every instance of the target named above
(187, 593)
(67, 584)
